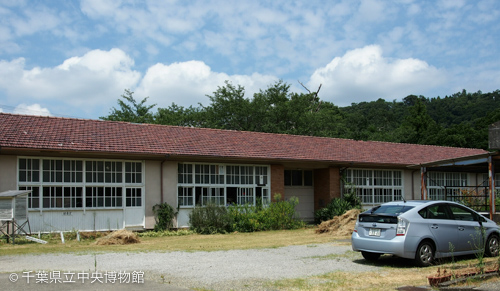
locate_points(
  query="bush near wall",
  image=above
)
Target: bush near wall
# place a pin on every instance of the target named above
(280, 214)
(164, 216)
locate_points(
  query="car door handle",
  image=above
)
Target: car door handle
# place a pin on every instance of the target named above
(461, 228)
(434, 226)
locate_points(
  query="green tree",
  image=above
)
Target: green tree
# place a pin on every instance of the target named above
(418, 126)
(228, 109)
(179, 116)
(131, 110)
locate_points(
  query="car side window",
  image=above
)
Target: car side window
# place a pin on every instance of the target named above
(460, 213)
(434, 212)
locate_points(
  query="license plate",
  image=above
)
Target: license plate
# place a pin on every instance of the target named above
(374, 232)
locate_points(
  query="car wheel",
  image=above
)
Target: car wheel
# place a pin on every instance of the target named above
(425, 254)
(372, 257)
(492, 247)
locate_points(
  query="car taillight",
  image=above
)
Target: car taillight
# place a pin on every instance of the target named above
(356, 227)
(402, 227)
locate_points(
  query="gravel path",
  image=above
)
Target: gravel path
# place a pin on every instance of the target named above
(217, 270)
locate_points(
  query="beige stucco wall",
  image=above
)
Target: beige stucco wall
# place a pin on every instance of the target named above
(170, 183)
(8, 173)
(152, 190)
(154, 184)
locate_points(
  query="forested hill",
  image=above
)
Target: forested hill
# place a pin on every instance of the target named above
(459, 120)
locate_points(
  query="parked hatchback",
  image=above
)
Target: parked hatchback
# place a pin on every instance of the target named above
(424, 231)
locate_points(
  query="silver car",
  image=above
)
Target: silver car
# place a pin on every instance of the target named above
(424, 231)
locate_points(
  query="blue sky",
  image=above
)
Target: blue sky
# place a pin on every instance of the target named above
(76, 58)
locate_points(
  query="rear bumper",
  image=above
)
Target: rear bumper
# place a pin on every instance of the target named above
(395, 246)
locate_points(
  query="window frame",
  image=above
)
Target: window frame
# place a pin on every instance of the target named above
(374, 186)
(199, 183)
(90, 177)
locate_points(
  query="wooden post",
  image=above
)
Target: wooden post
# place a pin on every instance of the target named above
(491, 179)
(423, 181)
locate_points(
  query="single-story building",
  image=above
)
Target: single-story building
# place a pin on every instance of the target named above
(102, 175)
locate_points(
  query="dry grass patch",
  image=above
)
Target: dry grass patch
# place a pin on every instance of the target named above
(191, 242)
(342, 225)
(119, 237)
(380, 280)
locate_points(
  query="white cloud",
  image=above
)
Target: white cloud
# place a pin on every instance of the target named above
(365, 75)
(91, 84)
(34, 109)
(85, 83)
(188, 83)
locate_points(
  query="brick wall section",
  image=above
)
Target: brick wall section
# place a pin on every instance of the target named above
(326, 186)
(277, 180)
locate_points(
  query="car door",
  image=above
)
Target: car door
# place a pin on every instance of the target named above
(469, 229)
(441, 225)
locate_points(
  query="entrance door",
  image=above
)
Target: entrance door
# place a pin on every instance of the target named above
(134, 208)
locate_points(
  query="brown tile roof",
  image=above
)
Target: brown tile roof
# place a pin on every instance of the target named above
(64, 134)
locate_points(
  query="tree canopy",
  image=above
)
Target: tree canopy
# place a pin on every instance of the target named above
(459, 120)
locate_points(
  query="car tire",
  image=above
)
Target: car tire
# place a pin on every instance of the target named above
(492, 246)
(424, 255)
(372, 257)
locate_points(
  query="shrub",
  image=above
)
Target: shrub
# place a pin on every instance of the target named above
(246, 218)
(281, 214)
(337, 207)
(210, 219)
(164, 215)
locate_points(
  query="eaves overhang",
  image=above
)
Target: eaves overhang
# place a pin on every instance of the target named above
(474, 163)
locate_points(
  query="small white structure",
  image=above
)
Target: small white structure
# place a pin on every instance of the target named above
(13, 213)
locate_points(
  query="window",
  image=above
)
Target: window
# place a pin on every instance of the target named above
(33, 197)
(98, 197)
(261, 175)
(460, 213)
(200, 184)
(375, 186)
(58, 171)
(435, 212)
(298, 178)
(208, 174)
(133, 197)
(133, 173)
(185, 196)
(233, 175)
(208, 195)
(185, 173)
(29, 170)
(71, 183)
(443, 186)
